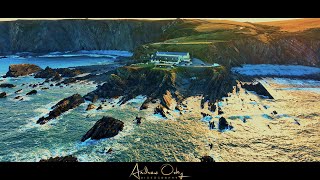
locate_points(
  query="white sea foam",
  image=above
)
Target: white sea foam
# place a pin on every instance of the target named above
(270, 69)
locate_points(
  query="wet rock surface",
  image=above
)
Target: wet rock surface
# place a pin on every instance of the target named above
(223, 124)
(90, 107)
(3, 95)
(33, 92)
(258, 88)
(104, 128)
(61, 107)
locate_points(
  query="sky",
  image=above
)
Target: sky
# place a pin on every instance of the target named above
(232, 19)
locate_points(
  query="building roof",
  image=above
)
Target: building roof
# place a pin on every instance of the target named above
(172, 53)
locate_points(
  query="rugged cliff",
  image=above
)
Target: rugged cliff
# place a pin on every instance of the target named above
(231, 43)
(41, 36)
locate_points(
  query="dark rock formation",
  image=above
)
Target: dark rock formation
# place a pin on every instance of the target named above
(69, 158)
(258, 88)
(159, 110)
(17, 97)
(223, 124)
(61, 107)
(3, 95)
(100, 107)
(207, 159)
(104, 128)
(220, 111)
(32, 92)
(47, 73)
(138, 120)
(91, 106)
(6, 85)
(144, 106)
(16, 70)
(18, 91)
(204, 114)
(44, 88)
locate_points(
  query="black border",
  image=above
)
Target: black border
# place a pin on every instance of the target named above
(159, 9)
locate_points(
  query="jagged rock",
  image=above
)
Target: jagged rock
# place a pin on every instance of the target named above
(6, 85)
(44, 88)
(167, 99)
(47, 73)
(207, 159)
(109, 150)
(58, 84)
(66, 72)
(61, 107)
(211, 125)
(223, 124)
(69, 158)
(3, 95)
(16, 70)
(258, 88)
(138, 120)
(99, 108)
(91, 106)
(32, 92)
(51, 85)
(204, 114)
(18, 91)
(144, 106)
(104, 128)
(212, 107)
(220, 111)
(56, 77)
(159, 110)
(274, 112)
(69, 80)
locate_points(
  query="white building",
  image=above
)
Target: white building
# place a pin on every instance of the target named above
(170, 57)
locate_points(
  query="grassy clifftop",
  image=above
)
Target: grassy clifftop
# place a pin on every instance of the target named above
(228, 42)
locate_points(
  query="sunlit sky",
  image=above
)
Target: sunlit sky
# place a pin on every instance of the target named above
(232, 19)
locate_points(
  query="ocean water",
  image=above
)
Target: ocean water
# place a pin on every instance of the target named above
(54, 62)
(22, 140)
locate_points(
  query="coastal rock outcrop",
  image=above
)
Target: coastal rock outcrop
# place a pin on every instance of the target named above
(61, 107)
(6, 85)
(91, 106)
(3, 94)
(223, 124)
(32, 92)
(258, 88)
(69, 158)
(207, 159)
(104, 128)
(16, 70)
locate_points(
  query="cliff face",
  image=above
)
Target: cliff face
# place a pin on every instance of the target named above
(42, 36)
(282, 50)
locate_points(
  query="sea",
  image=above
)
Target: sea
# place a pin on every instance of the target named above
(156, 139)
